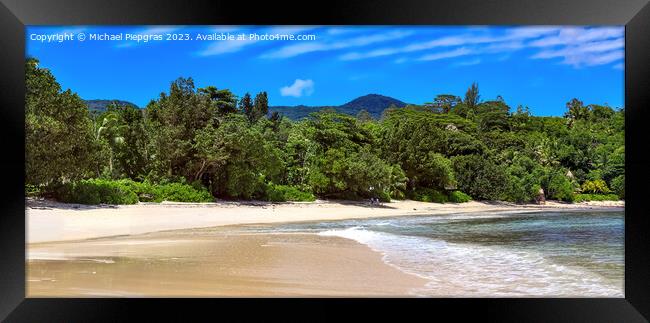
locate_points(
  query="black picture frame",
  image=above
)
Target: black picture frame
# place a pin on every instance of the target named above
(634, 14)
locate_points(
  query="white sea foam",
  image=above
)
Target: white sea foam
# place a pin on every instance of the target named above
(467, 270)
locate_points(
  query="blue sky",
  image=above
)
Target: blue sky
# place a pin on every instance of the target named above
(542, 67)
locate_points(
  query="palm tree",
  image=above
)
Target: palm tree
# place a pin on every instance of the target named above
(111, 130)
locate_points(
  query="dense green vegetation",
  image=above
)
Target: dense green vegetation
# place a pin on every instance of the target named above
(127, 191)
(194, 144)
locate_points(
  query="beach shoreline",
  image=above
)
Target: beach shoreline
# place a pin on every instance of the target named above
(49, 221)
(216, 250)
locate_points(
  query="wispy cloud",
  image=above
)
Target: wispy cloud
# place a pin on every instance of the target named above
(576, 46)
(511, 38)
(442, 42)
(309, 47)
(586, 53)
(579, 46)
(298, 88)
(341, 30)
(578, 35)
(226, 46)
(291, 30)
(447, 54)
(470, 62)
(159, 29)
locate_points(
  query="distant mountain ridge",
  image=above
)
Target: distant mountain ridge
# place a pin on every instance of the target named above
(102, 105)
(375, 104)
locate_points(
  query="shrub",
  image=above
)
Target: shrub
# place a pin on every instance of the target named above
(283, 193)
(595, 197)
(32, 190)
(522, 190)
(618, 186)
(178, 192)
(384, 196)
(459, 197)
(596, 186)
(559, 187)
(125, 191)
(96, 191)
(428, 195)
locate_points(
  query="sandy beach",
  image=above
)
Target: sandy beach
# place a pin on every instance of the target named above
(178, 249)
(52, 221)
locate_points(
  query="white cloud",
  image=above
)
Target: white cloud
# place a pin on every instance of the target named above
(298, 88)
(401, 60)
(469, 62)
(594, 47)
(587, 54)
(594, 59)
(441, 42)
(448, 54)
(289, 30)
(508, 46)
(342, 30)
(577, 35)
(511, 40)
(579, 46)
(576, 46)
(159, 29)
(308, 47)
(226, 46)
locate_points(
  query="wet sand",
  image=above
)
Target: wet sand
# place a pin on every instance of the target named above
(215, 262)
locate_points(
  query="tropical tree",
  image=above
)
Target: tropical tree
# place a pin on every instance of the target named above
(59, 143)
(444, 103)
(576, 110)
(111, 131)
(472, 97)
(246, 106)
(224, 100)
(260, 107)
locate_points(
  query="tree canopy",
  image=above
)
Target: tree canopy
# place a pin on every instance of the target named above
(233, 148)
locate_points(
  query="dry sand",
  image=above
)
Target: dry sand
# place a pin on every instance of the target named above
(51, 221)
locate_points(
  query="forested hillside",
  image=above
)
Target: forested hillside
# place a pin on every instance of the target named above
(368, 105)
(194, 144)
(99, 106)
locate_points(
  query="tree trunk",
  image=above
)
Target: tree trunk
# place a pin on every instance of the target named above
(200, 172)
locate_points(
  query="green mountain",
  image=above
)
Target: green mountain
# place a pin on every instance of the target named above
(101, 105)
(375, 104)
